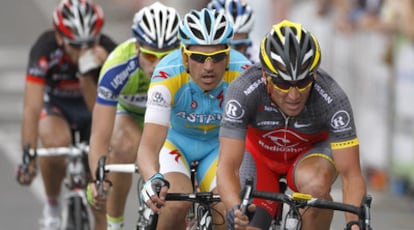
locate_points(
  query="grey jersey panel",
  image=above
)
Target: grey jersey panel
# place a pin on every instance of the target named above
(247, 103)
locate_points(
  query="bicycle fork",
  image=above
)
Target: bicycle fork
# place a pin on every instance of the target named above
(291, 222)
(190, 219)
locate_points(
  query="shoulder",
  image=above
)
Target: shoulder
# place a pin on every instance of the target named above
(169, 66)
(123, 52)
(122, 61)
(328, 88)
(329, 102)
(107, 42)
(238, 62)
(249, 81)
(45, 42)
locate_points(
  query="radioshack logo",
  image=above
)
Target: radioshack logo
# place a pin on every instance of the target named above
(340, 120)
(234, 110)
(285, 138)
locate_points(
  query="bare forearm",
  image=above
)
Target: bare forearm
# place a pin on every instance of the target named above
(353, 191)
(228, 178)
(99, 146)
(30, 126)
(152, 140)
(228, 187)
(148, 163)
(33, 104)
(103, 120)
(89, 88)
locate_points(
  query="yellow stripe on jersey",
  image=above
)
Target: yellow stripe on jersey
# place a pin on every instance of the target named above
(205, 183)
(174, 83)
(344, 144)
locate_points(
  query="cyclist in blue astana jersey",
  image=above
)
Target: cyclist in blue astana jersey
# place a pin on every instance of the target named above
(122, 95)
(183, 114)
(55, 105)
(242, 18)
(285, 116)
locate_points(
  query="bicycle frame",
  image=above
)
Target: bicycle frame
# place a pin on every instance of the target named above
(77, 173)
(147, 219)
(300, 200)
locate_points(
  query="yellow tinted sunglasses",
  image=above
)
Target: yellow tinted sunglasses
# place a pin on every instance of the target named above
(151, 55)
(202, 57)
(284, 86)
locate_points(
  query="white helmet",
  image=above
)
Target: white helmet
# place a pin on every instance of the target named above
(239, 13)
(79, 21)
(156, 26)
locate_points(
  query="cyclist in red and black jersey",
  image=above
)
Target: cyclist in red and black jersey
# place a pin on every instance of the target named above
(61, 62)
(286, 116)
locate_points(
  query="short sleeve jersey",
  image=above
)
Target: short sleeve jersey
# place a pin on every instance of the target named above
(250, 113)
(122, 80)
(49, 65)
(188, 110)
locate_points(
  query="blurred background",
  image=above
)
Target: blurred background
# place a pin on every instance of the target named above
(367, 46)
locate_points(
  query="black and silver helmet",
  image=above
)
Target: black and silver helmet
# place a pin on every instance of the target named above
(289, 51)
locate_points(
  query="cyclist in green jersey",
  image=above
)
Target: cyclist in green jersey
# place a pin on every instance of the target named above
(121, 100)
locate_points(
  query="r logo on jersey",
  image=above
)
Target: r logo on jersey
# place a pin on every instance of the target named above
(340, 120)
(234, 110)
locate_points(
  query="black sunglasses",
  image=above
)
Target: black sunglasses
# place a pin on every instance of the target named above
(81, 45)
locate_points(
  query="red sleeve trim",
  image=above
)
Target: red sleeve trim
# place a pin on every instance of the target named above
(35, 79)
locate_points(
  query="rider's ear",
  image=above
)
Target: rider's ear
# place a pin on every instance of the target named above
(314, 74)
(265, 79)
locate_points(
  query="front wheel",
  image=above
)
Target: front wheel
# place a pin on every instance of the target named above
(204, 217)
(78, 218)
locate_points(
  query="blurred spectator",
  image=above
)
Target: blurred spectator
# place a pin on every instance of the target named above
(396, 20)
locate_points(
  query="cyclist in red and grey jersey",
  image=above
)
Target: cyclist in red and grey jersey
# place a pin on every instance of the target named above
(284, 116)
(55, 100)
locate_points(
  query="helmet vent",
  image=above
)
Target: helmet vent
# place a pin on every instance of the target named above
(207, 21)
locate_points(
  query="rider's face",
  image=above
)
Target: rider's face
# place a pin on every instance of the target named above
(206, 64)
(73, 49)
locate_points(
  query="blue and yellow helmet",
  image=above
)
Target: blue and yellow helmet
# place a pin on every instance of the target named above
(205, 27)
